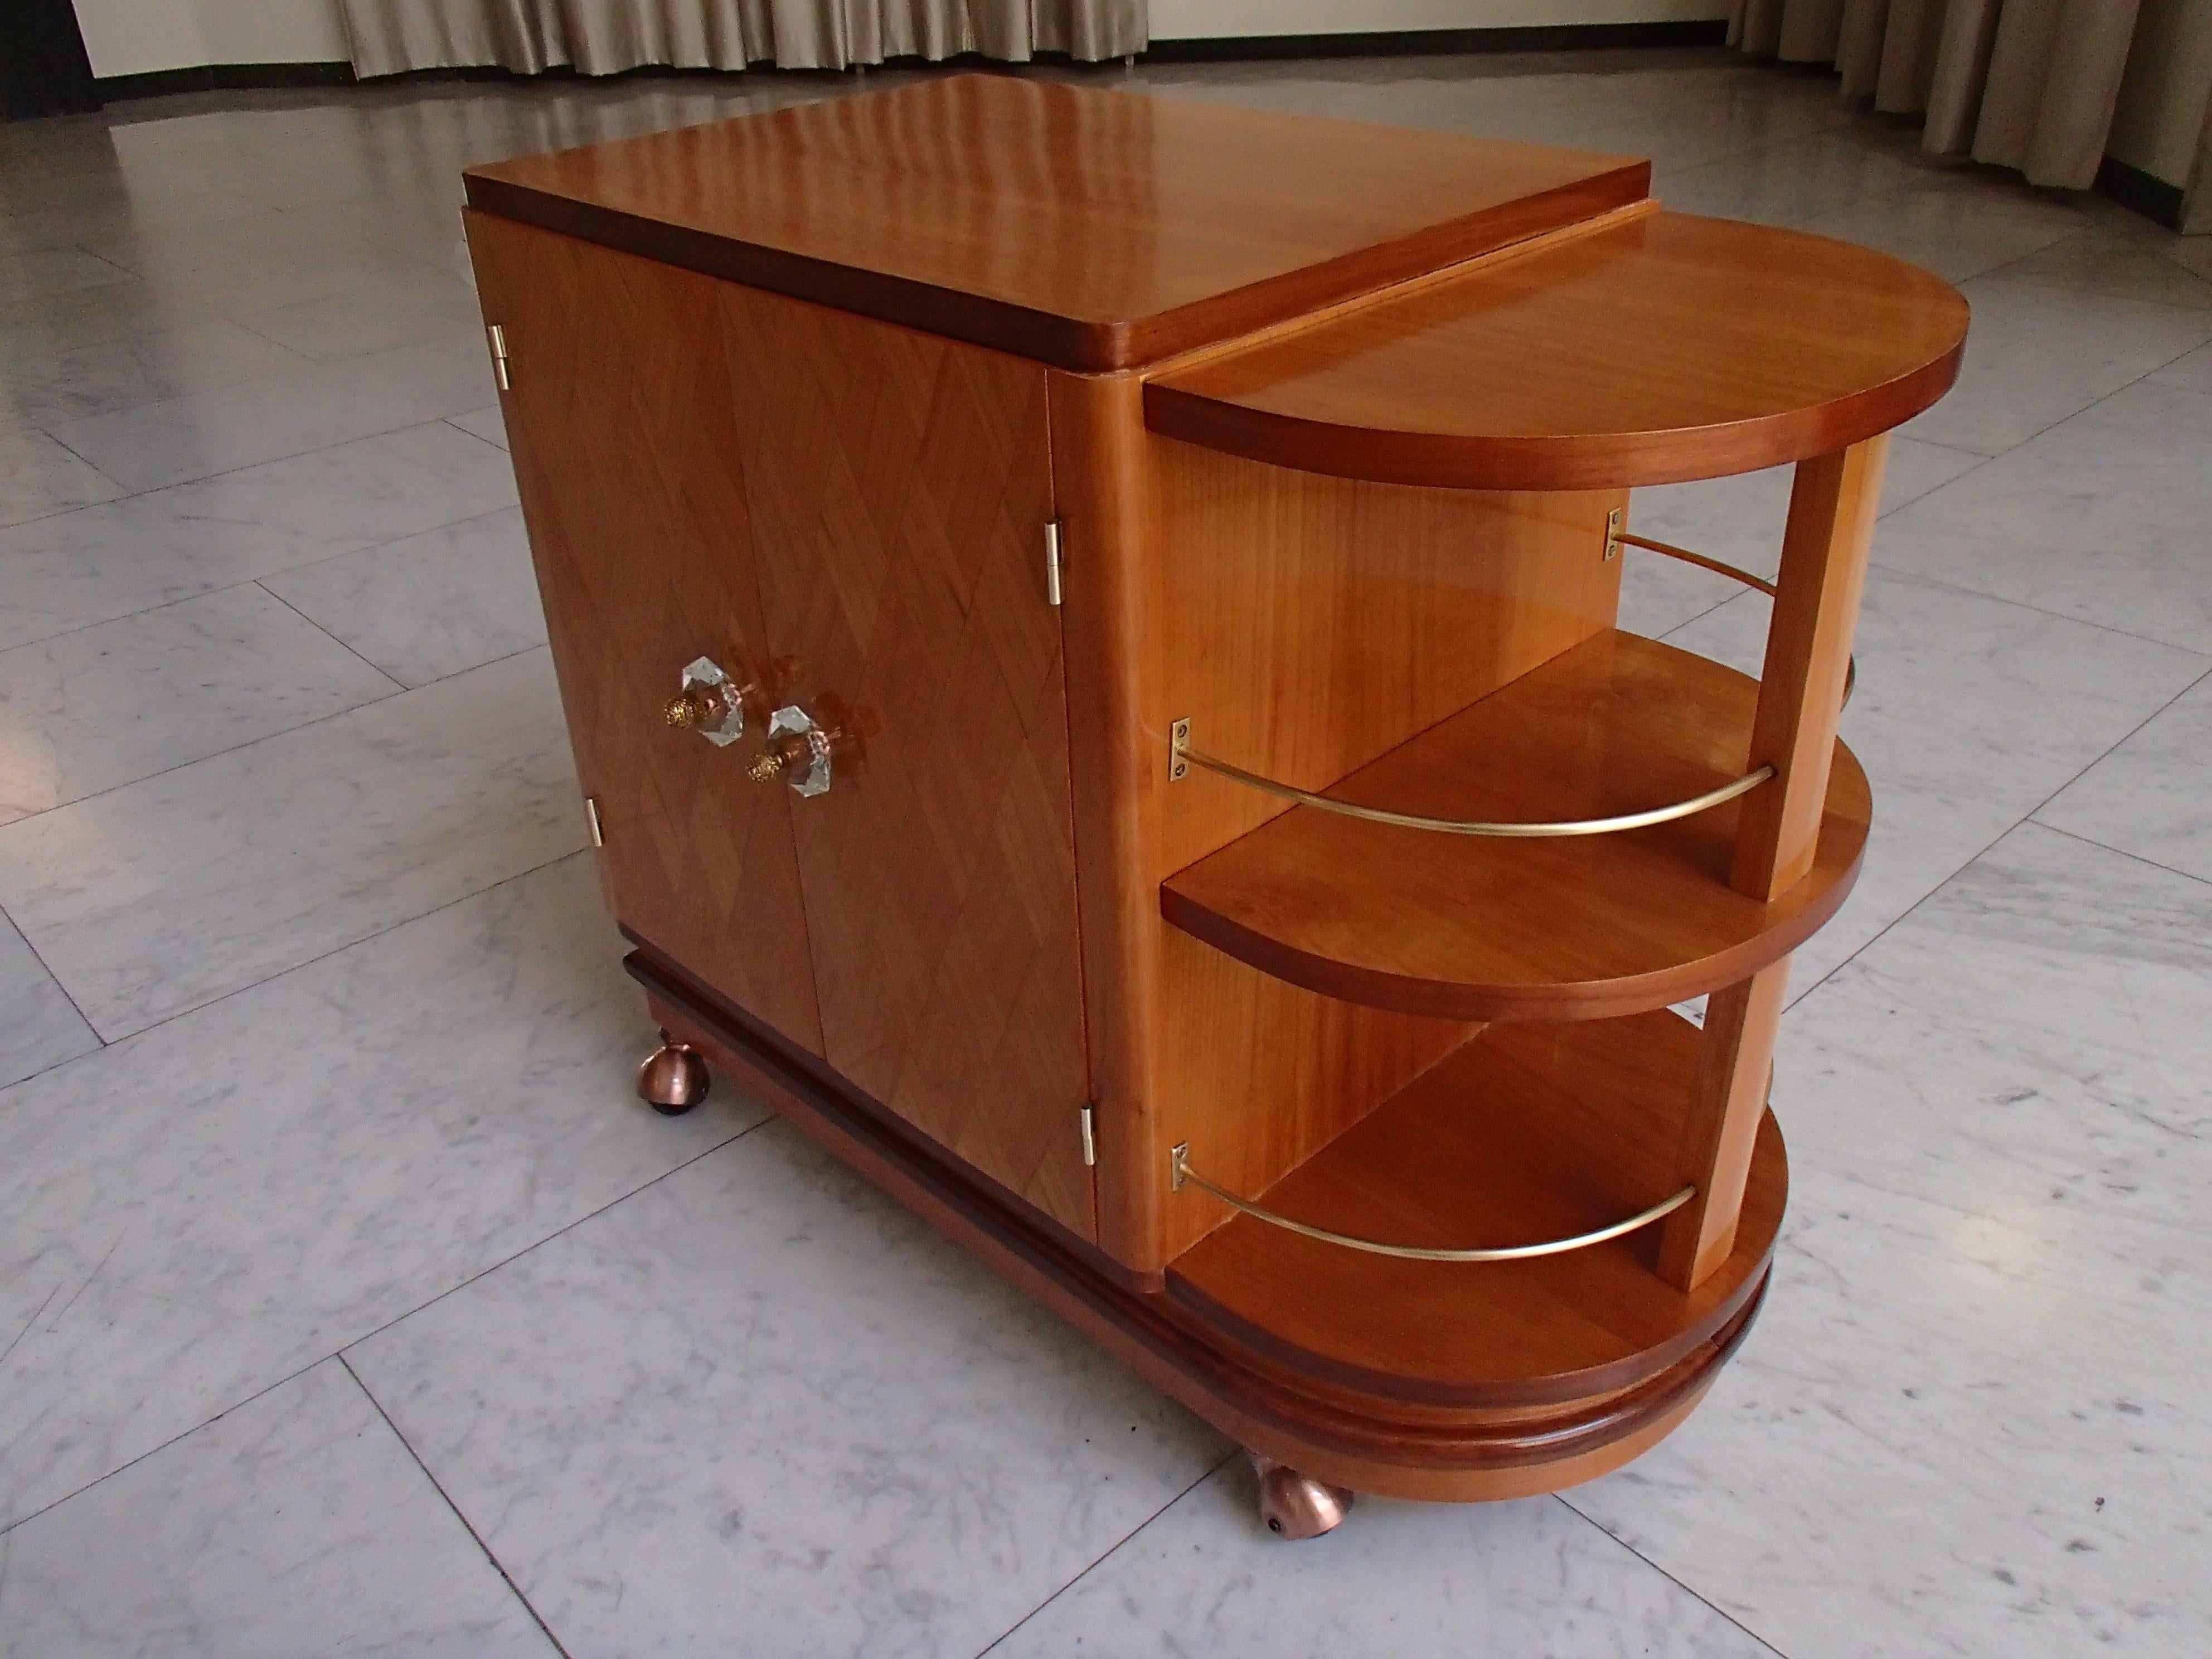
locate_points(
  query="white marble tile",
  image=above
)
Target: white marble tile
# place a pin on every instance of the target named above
(88, 711)
(1739, 519)
(1970, 714)
(1788, 183)
(762, 1375)
(280, 852)
(394, 313)
(54, 271)
(2036, 355)
(1957, 227)
(77, 568)
(2036, 1038)
(99, 379)
(39, 476)
(1968, 1421)
(50, 322)
(2101, 518)
(297, 1524)
(280, 414)
(199, 1211)
(2098, 261)
(489, 424)
(1477, 1581)
(431, 606)
(1950, 1434)
(2152, 796)
(2193, 372)
(38, 1025)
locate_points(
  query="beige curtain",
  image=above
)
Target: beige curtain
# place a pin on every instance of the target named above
(603, 37)
(2023, 83)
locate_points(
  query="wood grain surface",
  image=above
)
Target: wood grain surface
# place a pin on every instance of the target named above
(627, 457)
(899, 486)
(1525, 1134)
(1665, 348)
(1088, 229)
(1579, 927)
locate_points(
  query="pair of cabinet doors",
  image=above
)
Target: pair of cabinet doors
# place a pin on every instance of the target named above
(708, 469)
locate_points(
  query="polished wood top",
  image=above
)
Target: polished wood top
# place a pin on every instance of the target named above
(1092, 229)
(1664, 348)
(1570, 927)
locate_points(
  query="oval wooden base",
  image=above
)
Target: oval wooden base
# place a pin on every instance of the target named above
(1337, 1431)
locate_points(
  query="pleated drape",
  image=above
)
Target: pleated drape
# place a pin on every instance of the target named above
(604, 37)
(2023, 83)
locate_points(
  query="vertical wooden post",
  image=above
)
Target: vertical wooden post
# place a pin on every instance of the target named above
(1809, 646)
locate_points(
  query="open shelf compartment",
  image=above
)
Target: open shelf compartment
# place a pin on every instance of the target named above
(1575, 927)
(1524, 1133)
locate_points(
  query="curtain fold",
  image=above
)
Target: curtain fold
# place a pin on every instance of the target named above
(604, 37)
(2029, 84)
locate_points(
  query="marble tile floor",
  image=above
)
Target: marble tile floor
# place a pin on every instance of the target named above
(349, 1303)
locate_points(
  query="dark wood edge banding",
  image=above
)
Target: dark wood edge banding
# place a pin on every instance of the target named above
(1399, 1448)
(1595, 460)
(1081, 345)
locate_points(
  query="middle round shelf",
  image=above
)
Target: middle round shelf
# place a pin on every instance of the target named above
(1578, 928)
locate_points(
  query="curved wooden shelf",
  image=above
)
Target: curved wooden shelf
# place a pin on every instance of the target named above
(1575, 928)
(1667, 348)
(1524, 1130)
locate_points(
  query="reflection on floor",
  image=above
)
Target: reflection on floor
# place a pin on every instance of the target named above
(349, 1302)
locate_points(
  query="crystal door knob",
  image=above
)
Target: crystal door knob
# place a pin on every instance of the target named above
(709, 704)
(798, 750)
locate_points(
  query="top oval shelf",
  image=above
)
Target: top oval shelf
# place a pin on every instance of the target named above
(1665, 348)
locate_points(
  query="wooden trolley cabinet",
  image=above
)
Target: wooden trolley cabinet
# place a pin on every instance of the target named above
(1087, 626)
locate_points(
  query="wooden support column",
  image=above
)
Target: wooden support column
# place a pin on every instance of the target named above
(1832, 504)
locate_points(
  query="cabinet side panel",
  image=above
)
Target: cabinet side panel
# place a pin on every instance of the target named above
(1310, 624)
(899, 485)
(625, 455)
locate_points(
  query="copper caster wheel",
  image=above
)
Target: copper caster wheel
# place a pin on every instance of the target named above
(673, 1078)
(1296, 1505)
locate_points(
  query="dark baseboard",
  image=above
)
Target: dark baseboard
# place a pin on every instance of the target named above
(223, 77)
(2146, 192)
(1401, 43)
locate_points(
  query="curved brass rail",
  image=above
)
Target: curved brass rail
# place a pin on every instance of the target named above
(1704, 562)
(1180, 1174)
(1681, 809)
(1181, 750)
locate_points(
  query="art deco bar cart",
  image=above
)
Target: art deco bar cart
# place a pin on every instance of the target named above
(1087, 623)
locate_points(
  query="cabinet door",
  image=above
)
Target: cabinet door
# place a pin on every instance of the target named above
(900, 486)
(626, 453)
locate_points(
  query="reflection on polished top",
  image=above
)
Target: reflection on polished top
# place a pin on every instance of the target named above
(1664, 348)
(1090, 229)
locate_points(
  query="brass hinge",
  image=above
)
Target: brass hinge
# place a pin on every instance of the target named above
(1052, 561)
(592, 818)
(1089, 1138)
(498, 337)
(1612, 536)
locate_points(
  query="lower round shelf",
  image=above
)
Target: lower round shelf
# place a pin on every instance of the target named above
(1483, 1420)
(1526, 1132)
